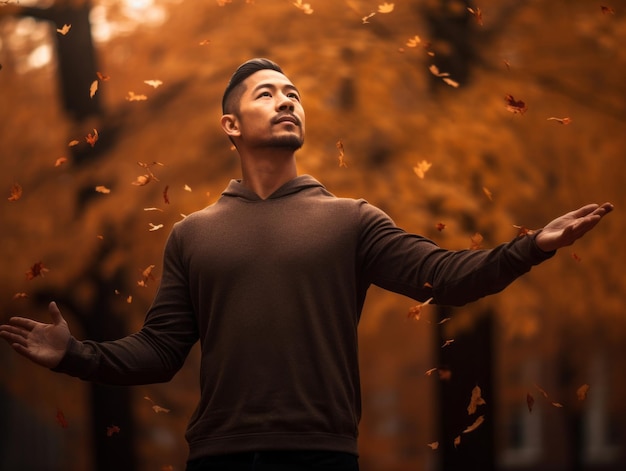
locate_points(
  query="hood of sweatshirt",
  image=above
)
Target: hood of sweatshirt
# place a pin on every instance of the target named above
(238, 190)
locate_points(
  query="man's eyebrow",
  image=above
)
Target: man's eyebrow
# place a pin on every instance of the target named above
(273, 86)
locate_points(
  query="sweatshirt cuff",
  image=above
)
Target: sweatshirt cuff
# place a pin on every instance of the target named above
(537, 253)
(79, 360)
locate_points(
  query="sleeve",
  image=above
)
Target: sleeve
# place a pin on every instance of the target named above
(417, 267)
(157, 351)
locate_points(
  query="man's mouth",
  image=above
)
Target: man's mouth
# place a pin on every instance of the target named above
(287, 118)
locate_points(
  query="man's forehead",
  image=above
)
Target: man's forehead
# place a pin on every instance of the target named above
(267, 76)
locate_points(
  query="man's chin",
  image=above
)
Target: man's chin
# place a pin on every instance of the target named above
(286, 142)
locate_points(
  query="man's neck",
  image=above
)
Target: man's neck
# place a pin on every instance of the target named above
(267, 172)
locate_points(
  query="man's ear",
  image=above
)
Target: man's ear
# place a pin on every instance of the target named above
(230, 125)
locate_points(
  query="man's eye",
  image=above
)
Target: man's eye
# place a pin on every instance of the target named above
(265, 94)
(295, 96)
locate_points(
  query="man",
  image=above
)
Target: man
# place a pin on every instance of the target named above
(272, 279)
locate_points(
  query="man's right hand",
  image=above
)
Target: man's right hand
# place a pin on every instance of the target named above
(44, 344)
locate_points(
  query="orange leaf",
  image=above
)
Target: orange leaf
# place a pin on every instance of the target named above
(305, 7)
(476, 240)
(522, 231)
(365, 19)
(102, 77)
(475, 425)
(93, 88)
(582, 391)
(385, 7)
(113, 429)
(36, 270)
(433, 445)
(20, 296)
(60, 161)
(73, 143)
(132, 96)
(565, 120)
(515, 106)
(63, 31)
(576, 257)
(61, 418)
(421, 168)
(103, 189)
(457, 441)
(16, 192)
(342, 162)
(477, 14)
(92, 139)
(156, 408)
(475, 401)
(415, 311)
(440, 226)
(487, 193)
(165, 197)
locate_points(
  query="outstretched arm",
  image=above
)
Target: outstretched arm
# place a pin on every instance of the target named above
(44, 344)
(567, 229)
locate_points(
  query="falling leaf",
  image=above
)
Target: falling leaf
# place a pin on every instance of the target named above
(421, 168)
(204, 42)
(515, 106)
(153, 83)
(187, 188)
(507, 64)
(557, 404)
(155, 407)
(433, 445)
(365, 19)
(60, 161)
(476, 241)
(155, 227)
(73, 143)
(129, 299)
(478, 15)
(415, 311)
(342, 162)
(445, 374)
(36, 270)
(305, 7)
(576, 257)
(582, 391)
(447, 343)
(93, 88)
(101, 237)
(113, 429)
(221, 3)
(444, 320)
(475, 425)
(452, 83)
(385, 7)
(414, 41)
(132, 96)
(92, 138)
(142, 180)
(20, 296)
(487, 193)
(102, 77)
(103, 189)
(16, 192)
(543, 393)
(475, 401)
(523, 231)
(63, 31)
(530, 402)
(607, 10)
(457, 441)
(440, 226)
(565, 120)
(435, 71)
(60, 417)
(431, 371)
(166, 198)
(147, 273)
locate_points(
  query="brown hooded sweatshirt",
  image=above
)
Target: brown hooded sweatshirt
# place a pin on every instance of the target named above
(274, 289)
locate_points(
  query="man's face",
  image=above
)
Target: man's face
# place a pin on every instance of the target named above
(270, 113)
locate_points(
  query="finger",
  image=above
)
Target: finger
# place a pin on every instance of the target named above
(13, 337)
(55, 313)
(23, 323)
(585, 210)
(604, 209)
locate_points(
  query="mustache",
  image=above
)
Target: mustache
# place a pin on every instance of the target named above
(286, 115)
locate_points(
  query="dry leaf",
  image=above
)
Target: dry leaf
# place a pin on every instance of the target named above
(475, 401)
(365, 19)
(103, 189)
(433, 445)
(515, 106)
(522, 231)
(187, 188)
(414, 41)
(342, 162)
(16, 192)
(447, 343)
(155, 407)
(305, 7)
(93, 88)
(452, 83)
(385, 7)
(565, 120)
(92, 138)
(582, 391)
(73, 143)
(576, 257)
(63, 31)
(607, 10)
(421, 168)
(36, 270)
(478, 15)
(60, 417)
(475, 425)
(132, 96)
(153, 83)
(102, 77)
(166, 198)
(204, 42)
(142, 180)
(20, 296)
(457, 441)
(60, 161)
(431, 371)
(113, 429)
(476, 241)
(440, 226)
(155, 227)
(415, 311)
(435, 71)
(487, 193)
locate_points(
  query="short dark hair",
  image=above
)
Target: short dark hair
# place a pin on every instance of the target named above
(244, 71)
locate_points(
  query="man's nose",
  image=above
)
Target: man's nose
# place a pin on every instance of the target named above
(285, 103)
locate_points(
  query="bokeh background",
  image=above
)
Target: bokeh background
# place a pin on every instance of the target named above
(86, 221)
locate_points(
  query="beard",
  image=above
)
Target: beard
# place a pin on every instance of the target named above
(291, 142)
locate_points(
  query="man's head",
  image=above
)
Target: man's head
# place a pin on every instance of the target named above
(262, 108)
(235, 87)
